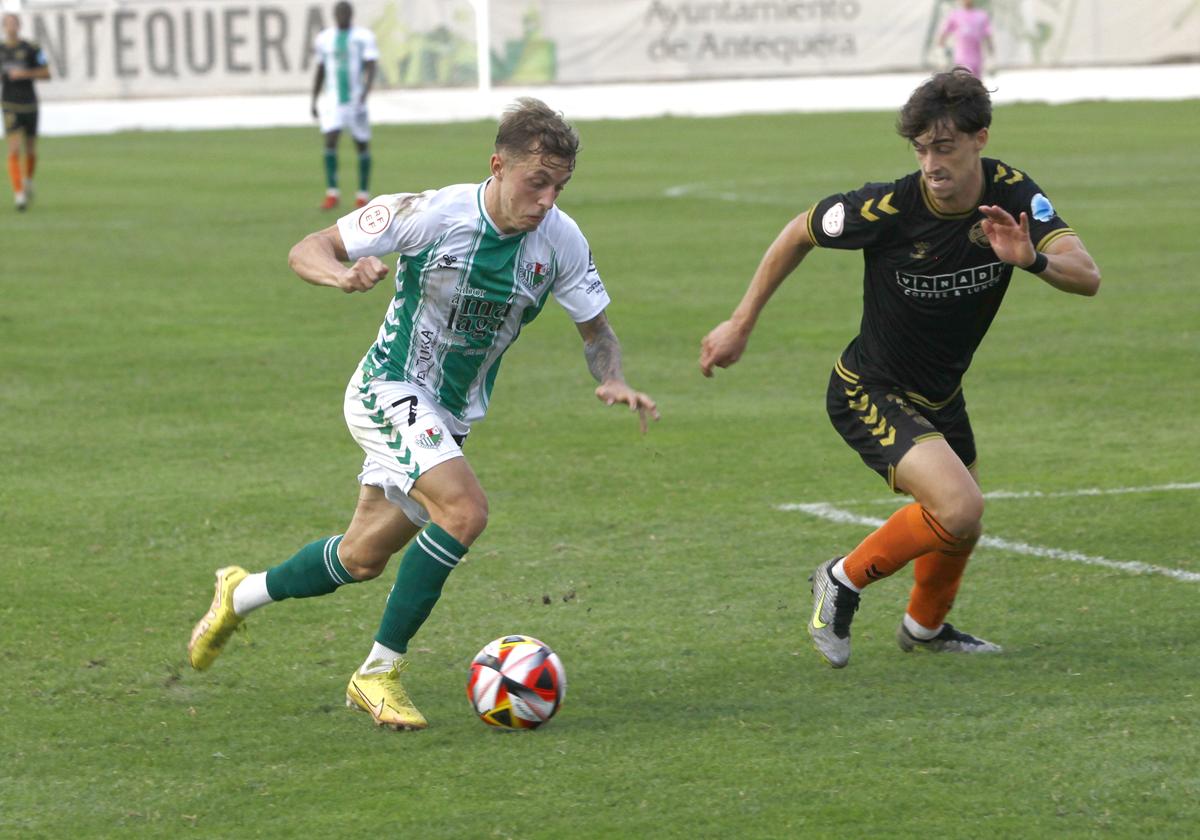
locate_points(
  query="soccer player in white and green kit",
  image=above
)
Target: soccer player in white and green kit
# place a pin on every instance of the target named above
(476, 263)
(346, 58)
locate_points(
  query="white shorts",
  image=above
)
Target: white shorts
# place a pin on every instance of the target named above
(404, 434)
(352, 117)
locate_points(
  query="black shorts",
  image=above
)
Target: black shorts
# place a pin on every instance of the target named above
(882, 422)
(23, 121)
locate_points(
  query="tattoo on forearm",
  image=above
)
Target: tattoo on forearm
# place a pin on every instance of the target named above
(603, 355)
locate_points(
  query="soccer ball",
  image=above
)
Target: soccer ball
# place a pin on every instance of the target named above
(516, 682)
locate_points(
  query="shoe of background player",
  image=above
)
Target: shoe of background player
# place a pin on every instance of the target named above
(948, 640)
(331, 201)
(213, 631)
(834, 604)
(384, 698)
(20, 200)
(361, 199)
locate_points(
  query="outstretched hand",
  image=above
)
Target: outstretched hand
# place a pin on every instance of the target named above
(1008, 237)
(613, 392)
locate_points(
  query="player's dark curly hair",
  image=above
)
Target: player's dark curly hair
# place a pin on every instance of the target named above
(531, 127)
(955, 98)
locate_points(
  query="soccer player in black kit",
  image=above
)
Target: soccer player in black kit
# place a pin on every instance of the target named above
(21, 62)
(939, 248)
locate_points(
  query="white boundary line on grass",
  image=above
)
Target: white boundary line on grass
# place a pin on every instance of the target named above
(1041, 494)
(830, 512)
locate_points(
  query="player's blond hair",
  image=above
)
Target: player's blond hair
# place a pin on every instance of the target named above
(531, 127)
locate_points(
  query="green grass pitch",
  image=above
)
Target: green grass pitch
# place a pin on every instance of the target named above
(170, 400)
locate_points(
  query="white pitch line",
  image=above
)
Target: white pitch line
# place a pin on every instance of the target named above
(835, 514)
(712, 190)
(1089, 491)
(1052, 494)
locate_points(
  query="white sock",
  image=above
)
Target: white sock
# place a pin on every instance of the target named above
(919, 631)
(251, 594)
(380, 659)
(839, 574)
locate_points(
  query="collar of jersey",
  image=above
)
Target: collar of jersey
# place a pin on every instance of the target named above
(929, 203)
(484, 213)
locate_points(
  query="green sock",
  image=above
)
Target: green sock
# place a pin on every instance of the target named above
(331, 168)
(364, 171)
(313, 570)
(426, 565)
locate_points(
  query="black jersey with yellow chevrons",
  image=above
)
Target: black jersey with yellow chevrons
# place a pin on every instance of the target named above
(931, 282)
(18, 94)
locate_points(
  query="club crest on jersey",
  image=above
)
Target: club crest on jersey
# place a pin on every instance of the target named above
(977, 236)
(1042, 209)
(834, 220)
(431, 438)
(533, 274)
(920, 251)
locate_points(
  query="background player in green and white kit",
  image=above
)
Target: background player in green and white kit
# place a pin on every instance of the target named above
(346, 58)
(477, 262)
(939, 247)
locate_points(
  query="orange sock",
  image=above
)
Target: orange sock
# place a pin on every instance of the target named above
(30, 165)
(910, 532)
(14, 171)
(937, 575)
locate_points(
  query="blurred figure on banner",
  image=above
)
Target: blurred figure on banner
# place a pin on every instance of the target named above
(971, 29)
(346, 57)
(21, 63)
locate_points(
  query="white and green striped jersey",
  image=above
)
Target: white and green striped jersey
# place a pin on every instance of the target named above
(343, 52)
(464, 290)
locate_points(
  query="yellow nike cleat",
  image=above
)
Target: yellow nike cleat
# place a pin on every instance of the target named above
(384, 698)
(213, 631)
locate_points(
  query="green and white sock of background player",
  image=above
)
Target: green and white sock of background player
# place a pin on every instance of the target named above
(331, 167)
(364, 171)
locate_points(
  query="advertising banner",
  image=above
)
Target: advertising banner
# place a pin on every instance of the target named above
(631, 40)
(144, 48)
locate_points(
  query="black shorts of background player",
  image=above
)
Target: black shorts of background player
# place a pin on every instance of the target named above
(21, 63)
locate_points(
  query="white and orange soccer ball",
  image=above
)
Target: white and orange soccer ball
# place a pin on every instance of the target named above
(516, 682)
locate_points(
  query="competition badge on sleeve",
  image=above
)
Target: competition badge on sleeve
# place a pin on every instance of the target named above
(374, 219)
(1042, 209)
